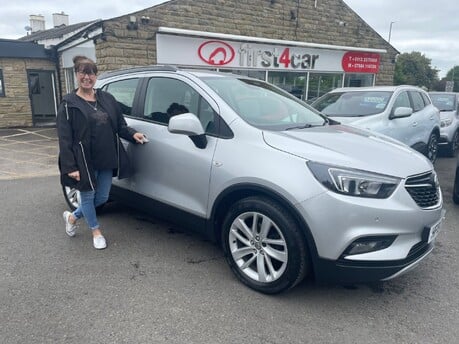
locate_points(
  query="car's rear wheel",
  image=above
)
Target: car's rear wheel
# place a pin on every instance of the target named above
(453, 146)
(432, 147)
(72, 198)
(264, 246)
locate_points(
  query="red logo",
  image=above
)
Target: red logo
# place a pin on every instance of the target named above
(216, 53)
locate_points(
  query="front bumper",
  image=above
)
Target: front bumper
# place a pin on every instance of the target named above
(336, 221)
(345, 271)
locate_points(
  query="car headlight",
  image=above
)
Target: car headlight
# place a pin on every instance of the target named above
(352, 182)
(446, 122)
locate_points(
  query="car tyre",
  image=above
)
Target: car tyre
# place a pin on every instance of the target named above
(264, 246)
(453, 145)
(432, 147)
(456, 187)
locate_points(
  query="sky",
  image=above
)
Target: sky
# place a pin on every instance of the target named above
(430, 28)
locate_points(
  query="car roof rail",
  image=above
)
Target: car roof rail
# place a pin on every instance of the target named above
(124, 71)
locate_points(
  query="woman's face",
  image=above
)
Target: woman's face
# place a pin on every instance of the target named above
(86, 79)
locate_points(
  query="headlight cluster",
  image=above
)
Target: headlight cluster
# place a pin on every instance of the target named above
(352, 182)
(446, 122)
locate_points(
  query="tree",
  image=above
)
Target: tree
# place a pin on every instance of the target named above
(453, 75)
(415, 69)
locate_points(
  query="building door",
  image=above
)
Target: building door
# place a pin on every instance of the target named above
(42, 93)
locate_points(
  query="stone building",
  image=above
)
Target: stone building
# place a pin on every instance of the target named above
(27, 84)
(307, 47)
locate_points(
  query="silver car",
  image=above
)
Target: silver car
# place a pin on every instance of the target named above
(448, 104)
(287, 192)
(405, 113)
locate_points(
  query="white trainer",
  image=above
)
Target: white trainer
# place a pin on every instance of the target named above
(99, 242)
(70, 228)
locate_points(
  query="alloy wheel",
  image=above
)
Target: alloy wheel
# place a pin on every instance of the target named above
(258, 247)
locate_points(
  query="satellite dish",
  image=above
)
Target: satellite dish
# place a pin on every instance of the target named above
(27, 28)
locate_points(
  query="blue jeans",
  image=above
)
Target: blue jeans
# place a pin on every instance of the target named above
(89, 200)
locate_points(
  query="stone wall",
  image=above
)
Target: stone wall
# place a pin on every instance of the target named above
(15, 107)
(331, 22)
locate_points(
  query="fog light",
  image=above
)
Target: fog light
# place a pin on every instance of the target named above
(369, 244)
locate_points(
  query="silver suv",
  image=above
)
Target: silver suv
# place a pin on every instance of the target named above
(448, 104)
(405, 113)
(287, 192)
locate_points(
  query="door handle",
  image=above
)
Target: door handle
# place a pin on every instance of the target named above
(415, 124)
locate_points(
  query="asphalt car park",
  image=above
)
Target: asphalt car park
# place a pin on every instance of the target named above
(156, 283)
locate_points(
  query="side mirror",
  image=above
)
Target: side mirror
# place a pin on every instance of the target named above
(401, 112)
(188, 124)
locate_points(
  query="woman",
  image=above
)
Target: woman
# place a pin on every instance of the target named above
(89, 124)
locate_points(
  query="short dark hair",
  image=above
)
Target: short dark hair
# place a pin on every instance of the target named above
(84, 64)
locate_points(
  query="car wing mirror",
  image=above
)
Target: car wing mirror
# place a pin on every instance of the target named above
(190, 125)
(401, 112)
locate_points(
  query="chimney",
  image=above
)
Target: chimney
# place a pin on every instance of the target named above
(37, 22)
(60, 19)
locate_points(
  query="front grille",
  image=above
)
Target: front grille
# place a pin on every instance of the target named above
(424, 189)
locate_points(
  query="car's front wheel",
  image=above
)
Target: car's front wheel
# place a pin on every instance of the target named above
(453, 146)
(264, 246)
(456, 187)
(432, 147)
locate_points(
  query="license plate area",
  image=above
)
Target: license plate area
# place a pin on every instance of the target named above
(433, 231)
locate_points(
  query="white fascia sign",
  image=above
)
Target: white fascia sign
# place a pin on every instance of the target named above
(221, 52)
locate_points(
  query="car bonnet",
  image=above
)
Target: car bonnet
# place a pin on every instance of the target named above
(351, 147)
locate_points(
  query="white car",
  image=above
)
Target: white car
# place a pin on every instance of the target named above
(405, 113)
(448, 104)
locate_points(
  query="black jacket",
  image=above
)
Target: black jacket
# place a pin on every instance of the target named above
(74, 139)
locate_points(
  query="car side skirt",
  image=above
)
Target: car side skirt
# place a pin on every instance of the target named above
(185, 220)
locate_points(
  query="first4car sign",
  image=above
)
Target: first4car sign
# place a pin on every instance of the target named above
(197, 51)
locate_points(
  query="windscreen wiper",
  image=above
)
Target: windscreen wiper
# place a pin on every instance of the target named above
(303, 126)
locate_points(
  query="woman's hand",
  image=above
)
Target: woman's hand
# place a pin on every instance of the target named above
(140, 138)
(75, 175)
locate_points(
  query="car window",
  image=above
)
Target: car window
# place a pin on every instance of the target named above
(402, 100)
(426, 99)
(124, 92)
(418, 102)
(167, 97)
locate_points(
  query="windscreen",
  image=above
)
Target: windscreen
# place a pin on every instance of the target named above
(444, 102)
(353, 103)
(264, 105)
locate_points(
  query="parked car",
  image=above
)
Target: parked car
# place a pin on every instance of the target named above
(287, 192)
(405, 113)
(448, 104)
(456, 185)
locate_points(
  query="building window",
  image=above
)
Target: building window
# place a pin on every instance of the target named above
(70, 83)
(359, 80)
(321, 83)
(2, 85)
